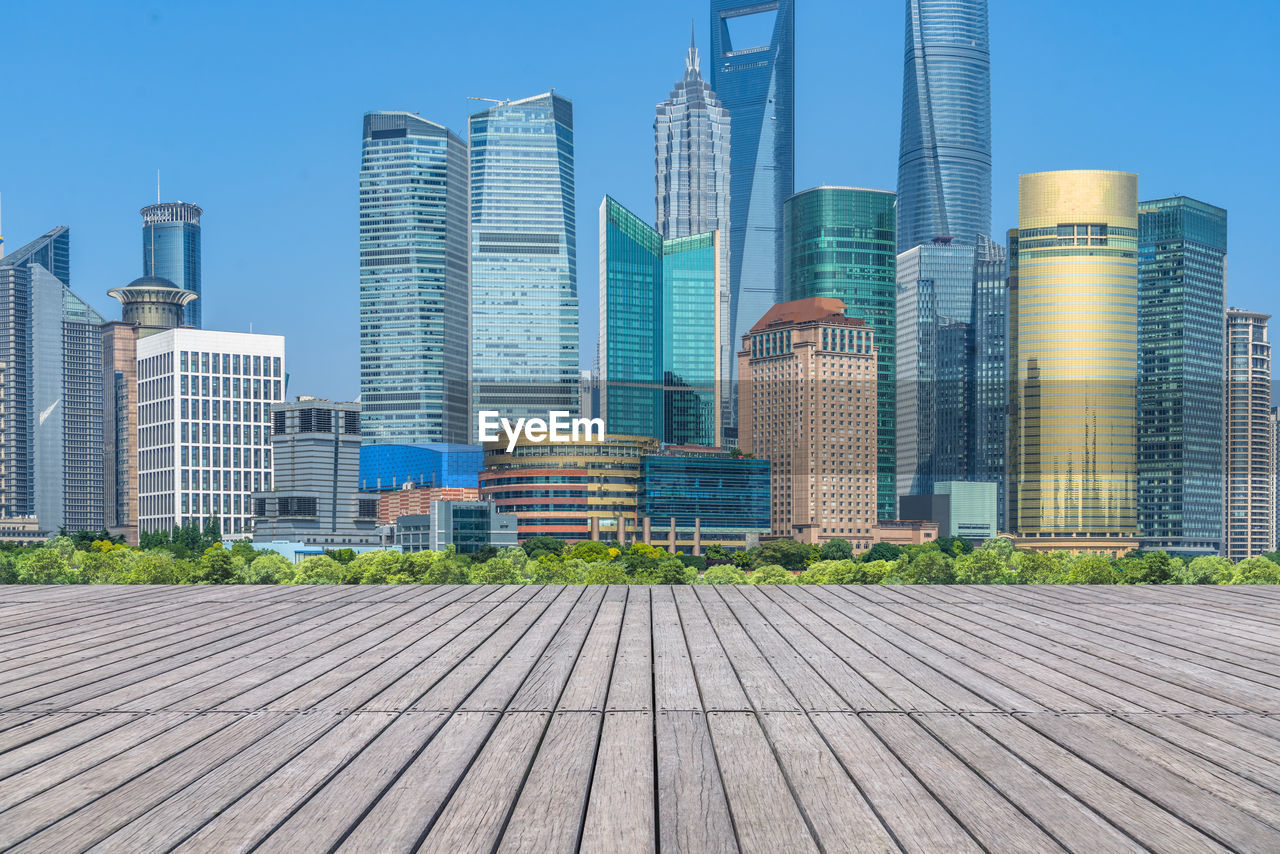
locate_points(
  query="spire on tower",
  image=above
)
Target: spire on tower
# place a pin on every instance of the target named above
(692, 62)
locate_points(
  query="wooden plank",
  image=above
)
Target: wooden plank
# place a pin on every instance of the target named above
(693, 812)
(588, 685)
(57, 734)
(674, 685)
(718, 684)
(545, 683)
(766, 817)
(548, 814)
(621, 807)
(765, 690)
(631, 683)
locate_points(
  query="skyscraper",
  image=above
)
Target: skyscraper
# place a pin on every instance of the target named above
(171, 249)
(808, 405)
(839, 243)
(415, 335)
(51, 347)
(989, 409)
(1250, 438)
(692, 158)
(934, 368)
(753, 73)
(1073, 268)
(524, 279)
(944, 161)
(659, 331)
(1182, 247)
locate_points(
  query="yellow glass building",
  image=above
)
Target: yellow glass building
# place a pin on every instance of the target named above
(1073, 331)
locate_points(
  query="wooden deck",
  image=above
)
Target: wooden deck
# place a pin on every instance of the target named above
(607, 719)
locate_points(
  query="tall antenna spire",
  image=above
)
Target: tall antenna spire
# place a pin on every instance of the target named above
(157, 186)
(692, 62)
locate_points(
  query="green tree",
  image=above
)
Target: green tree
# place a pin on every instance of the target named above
(342, 556)
(1255, 570)
(772, 574)
(45, 566)
(606, 572)
(745, 558)
(984, 567)
(724, 573)
(1206, 569)
(671, 570)
(8, 568)
(446, 567)
(930, 566)
(506, 568)
(1093, 569)
(837, 549)
(551, 569)
(535, 547)
(788, 554)
(244, 550)
(882, 551)
(382, 566)
(154, 567)
(588, 550)
(717, 554)
(1041, 568)
(215, 566)
(642, 559)
(317, 569)
(1151, 568)
(267, 568)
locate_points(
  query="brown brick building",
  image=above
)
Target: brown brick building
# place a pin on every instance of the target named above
(417, 502)
(807, 403)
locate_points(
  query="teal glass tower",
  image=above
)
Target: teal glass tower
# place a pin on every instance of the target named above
(659, 331)
(171, 249)
(1182, 248)
(753, 74)
(524, 279)
(414, 291)
(840, 242)
(944, 159)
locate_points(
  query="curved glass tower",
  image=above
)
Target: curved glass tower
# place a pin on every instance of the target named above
(838, 242)
(171, 249)
(944, 162)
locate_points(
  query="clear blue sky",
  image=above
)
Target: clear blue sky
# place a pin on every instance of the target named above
(253, 111)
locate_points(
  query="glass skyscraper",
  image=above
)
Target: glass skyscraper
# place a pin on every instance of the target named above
(171, 249)
(692, 156)
(753, 73)
(839, 242)
(524, 281)
(934, 369)
(659, 331)
(1073, 296)
(415, 335)
(944, 162)
(989, 407)
(1182, 248)
(51, 351)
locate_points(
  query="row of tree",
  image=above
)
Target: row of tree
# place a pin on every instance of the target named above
(545, 560)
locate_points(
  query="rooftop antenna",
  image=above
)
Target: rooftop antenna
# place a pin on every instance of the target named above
(157, 186)
(490, 100)
(1, 242)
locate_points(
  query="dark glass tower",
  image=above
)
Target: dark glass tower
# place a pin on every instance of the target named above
(414, 292)
(1182, 247)
(989, 391)
(944, 162)
(839, 243)
(171, 249)
(753, 73)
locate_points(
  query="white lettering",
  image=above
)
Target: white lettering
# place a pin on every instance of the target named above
(587, 425)
(559, 421)
(559, 428)
(488, 425)
(513, 434)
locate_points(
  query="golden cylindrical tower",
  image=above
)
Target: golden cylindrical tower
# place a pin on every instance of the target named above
(1074, 358)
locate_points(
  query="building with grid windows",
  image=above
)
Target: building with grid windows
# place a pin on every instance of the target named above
(989, 403)
(171, 250)
(465, 526)
(415, 333)
(204, 426)
(944, 158)
(51, 346)
(659, 331)
(839, 244)
(524, 266)
(808, 403)
(692, 156)
(753, 75)
(1250, 438)
(1182, 250)
(1073, 292)
(692, 498)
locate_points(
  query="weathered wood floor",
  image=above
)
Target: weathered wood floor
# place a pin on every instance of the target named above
(548, 719)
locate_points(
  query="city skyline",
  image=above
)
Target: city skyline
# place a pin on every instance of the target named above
(99, 195)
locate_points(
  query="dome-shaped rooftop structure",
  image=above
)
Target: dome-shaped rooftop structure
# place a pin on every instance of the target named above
(152, 304)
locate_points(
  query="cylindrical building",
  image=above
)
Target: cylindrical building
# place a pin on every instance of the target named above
(839, 242)
(153, 304)
(1073, 323)
(171, 249)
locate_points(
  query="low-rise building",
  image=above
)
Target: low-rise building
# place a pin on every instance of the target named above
(904, 532)
(694, 497)
(413, 500)
(961, 509)
(384, 468)
(467, 526)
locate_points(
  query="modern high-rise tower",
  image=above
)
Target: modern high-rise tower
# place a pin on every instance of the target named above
(1250, 438)
(524, 274)
(838, 243)
(1073, 272)
(989, 406)
(415, 336)
(753, 73)
(691, 158)
(944, 162)
(1182, 248)
(171, 249)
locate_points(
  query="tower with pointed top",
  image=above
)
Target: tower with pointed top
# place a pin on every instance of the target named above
(691, 159)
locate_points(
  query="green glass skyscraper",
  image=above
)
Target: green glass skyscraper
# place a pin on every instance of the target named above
(1182, 247)
(659, 330)
(840, 242)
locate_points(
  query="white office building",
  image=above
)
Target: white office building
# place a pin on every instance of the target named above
(204, 425)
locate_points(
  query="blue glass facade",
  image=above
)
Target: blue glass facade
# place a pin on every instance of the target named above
(1182, 247)
(524, 285)
(171, 249)
(389, 467)
(726, 494)
(989, 412)
(659, 330)
(753, 74)
(415, 335)
(944, 162)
